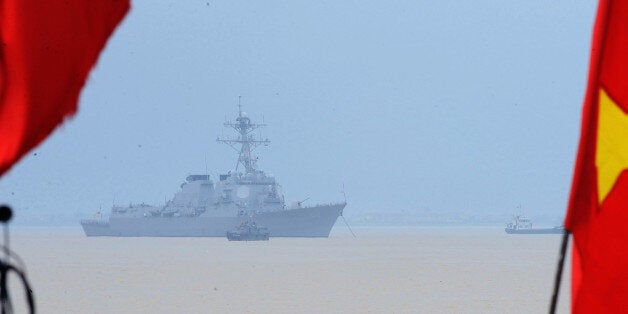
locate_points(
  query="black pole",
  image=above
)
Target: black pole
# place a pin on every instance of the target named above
(5, 216)
(4, 293)
(559, 271)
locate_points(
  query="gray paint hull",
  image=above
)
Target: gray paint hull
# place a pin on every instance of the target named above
(555, 230)
(300, 222)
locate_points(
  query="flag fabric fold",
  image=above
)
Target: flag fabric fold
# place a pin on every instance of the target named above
(47, 49)
(597, 213)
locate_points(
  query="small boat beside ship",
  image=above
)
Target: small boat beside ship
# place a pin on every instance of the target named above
(523, 225)
(248, 231)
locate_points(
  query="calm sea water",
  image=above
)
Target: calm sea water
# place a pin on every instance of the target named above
(400, 270)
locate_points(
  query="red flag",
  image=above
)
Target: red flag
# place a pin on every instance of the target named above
(47, 49)
(598, 205)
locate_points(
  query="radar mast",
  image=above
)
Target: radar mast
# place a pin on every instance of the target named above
(247, 142)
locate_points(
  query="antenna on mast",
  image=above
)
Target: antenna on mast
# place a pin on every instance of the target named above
(240, 105)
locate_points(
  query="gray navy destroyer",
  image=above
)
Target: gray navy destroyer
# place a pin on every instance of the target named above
(204, 208)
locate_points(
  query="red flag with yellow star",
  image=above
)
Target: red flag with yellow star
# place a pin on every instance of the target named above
(597, 214)
(47, 48)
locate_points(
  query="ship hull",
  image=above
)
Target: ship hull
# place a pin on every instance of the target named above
(314, 221)
(536, 231)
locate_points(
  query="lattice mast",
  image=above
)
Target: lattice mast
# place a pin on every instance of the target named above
(246, 140)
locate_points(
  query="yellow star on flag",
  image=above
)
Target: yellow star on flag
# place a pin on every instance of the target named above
(611, 155)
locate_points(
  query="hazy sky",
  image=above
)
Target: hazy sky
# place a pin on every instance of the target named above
(447, 105)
